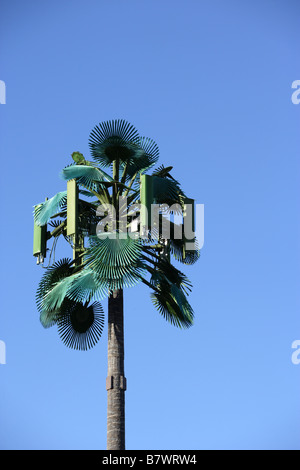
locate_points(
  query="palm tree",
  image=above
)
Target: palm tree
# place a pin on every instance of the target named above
(117, 242)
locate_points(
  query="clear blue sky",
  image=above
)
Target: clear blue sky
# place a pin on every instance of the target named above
(210, 82)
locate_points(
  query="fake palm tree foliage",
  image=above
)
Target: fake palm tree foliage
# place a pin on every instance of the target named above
(111, 254)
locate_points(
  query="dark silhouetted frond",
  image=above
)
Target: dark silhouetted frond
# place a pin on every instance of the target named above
(172, 304)
(80, 326)
(55, 273)
(165, 272)
(178, 250)
(166, 191)
(112, 140)
(145, 157)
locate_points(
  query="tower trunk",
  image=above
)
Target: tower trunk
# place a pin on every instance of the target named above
(115, 382)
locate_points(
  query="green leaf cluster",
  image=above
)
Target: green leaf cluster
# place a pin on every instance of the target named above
(70, 291)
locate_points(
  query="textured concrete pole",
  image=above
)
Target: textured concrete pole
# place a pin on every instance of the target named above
(115, 382)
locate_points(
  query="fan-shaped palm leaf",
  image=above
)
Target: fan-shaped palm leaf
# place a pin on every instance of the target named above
(82, 286)
(55, 273)
(49, 208)
(113, 140)
(80, 326)
(85, 286)
(166, 191)
(165, 272)
(172, 304)
(163, 171)
(115, 259)
(54, 298)
(178, 250)
(145, 158)
(85, 175)
(170, 289)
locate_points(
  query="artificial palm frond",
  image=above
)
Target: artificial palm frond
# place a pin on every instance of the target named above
(86, 193)
(55, 223)
(165, 272)
(80, 326)
(113, 140)
(82, 286)
(85, 175)
(85, 286)
(170, 287)
(178, 250)
(172, 304)
(55, 273)
(145, 158)
(44, 211)
(115, 258)
(48, 318)
(166, 191)
(163, 172)
(54, 298)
